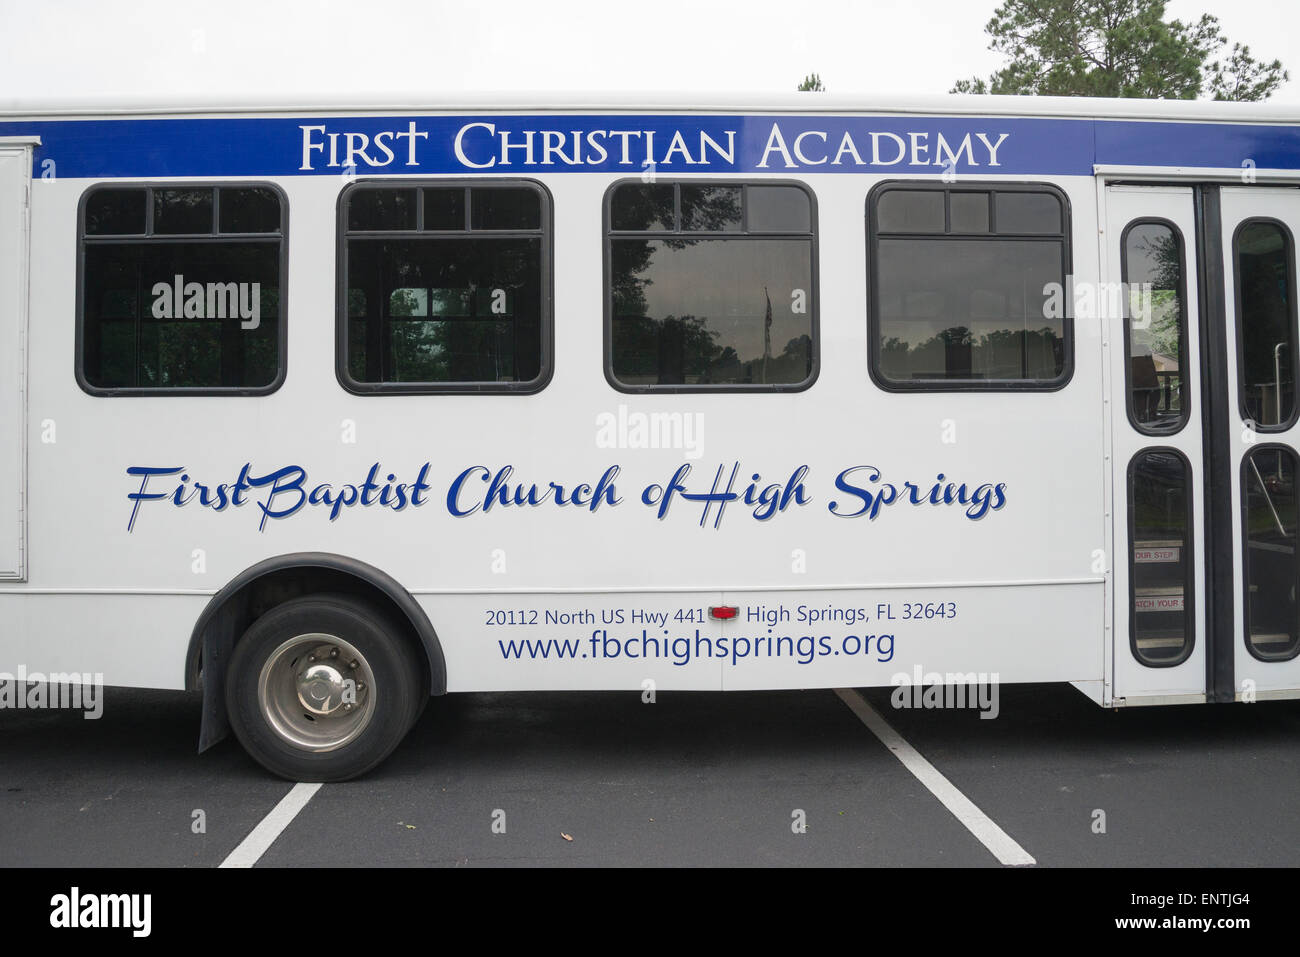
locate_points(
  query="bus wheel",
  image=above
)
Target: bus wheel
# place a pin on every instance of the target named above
(323, 688)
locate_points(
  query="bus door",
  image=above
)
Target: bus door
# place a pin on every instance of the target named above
(1257, 481)
(15, 182)
(1146, 309)
(1203, 359)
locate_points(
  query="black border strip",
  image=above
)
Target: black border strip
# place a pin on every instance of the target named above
(1216, 423)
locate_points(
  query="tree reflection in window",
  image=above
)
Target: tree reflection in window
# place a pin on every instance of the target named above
(1155, 325)
(961, 286)
(713, 286)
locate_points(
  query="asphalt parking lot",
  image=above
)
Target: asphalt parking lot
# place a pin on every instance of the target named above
(693, 779)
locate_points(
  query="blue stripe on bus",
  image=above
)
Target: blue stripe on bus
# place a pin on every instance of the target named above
(266, 146)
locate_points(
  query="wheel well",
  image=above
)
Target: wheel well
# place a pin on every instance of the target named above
(270, 583)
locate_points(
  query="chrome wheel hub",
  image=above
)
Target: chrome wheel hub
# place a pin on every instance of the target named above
(316, 691)
(321, 689)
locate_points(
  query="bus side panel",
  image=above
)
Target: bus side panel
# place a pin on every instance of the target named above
(1012, 633)
(572, 642)
(791, 639)
(135, 641)
(1045, 449)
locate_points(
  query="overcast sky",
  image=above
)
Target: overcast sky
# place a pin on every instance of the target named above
(72, 47)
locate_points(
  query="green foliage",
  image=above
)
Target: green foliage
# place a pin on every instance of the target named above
(812, 83)
(1118, 48)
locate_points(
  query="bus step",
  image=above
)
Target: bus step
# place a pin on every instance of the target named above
(1172, 637)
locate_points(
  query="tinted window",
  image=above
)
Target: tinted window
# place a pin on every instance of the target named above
(1156, 326)
(253, 210)
(711, 209)
(115, 212)
(381, 209)
(1272, 573)
(910, 211)
(957, 304)
(444, 208)
(778, 209)
(446, 310)
(509, 208)
(1160, 572)
(733, 310)
(1266, 318)
(182, 211)
(198, 313)
(640, 207)
(969, 212)
(1027, 212)
(449, 306)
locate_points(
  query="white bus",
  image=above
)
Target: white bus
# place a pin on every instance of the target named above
(325, 408)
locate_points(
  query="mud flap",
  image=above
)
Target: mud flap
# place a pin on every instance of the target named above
(218, 640)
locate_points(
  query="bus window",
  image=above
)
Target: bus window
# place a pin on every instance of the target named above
(1160, 570)
(1271, 573)
(445, 288)
(180, 289)
(1155, 327)
(960, 287)
(1266, 320)
(711, 286)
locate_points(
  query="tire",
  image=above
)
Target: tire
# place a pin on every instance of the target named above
(323, 688)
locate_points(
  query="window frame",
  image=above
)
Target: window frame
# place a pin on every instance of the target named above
(992, 187)
(150, 238)
(1189, 552)
(1184, 413)
(1240, 328)
(609, 234)
(546, 319)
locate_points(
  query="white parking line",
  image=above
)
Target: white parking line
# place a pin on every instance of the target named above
(976, 821)
(251, 848)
